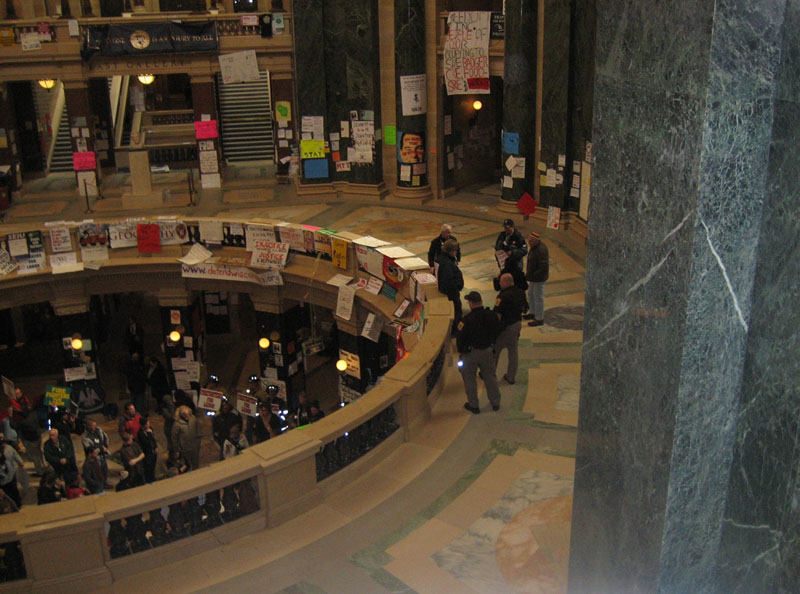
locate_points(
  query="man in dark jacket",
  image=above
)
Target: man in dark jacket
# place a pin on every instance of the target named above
(537, 272)
(437, 243)
(511, 243)
(59, 453)
(451, 281)
(509, 307)
(476, 335)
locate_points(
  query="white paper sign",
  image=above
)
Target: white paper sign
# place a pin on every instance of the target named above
(210, 399)
(339, 280)
(60, 239)
(466, 52)
(63, 263)
(6, 264)
(208, 162)
(255, 232)
(196, 255)
(344, 302)
(30, 42)
(239, 67)
(553, 217)
(211, 231)
(414, 95)
(269, 254)
(372, 328)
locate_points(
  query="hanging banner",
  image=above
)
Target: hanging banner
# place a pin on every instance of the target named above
(222, 272)
(466, 53)
(141, 39)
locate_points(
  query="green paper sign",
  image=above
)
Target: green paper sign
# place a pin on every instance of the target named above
(57, 396)
(390, 135)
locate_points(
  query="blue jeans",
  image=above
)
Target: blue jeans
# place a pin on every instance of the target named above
(536, 299)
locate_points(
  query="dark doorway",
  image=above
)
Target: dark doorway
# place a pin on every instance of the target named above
(30, 145)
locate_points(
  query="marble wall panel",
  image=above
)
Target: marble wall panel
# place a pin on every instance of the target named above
(760, 542)
(682, 123)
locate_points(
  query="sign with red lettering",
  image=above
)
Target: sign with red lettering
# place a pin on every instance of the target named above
(205, 129)
(210, 399)
(148, 238)
(84, 161)
(466, 53)
(246, 405)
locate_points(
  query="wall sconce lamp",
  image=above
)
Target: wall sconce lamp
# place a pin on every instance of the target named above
(146, 79)
(47, 83)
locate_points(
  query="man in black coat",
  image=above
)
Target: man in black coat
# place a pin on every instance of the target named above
(511, 242)
(476, 336)
(437, 243)
(451, 281)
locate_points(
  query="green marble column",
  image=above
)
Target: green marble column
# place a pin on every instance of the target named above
(352, 85)
(310, 67)
(409, 60)
(519, 93)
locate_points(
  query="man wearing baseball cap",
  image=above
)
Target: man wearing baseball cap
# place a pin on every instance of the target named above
(537, 272)
(477, 333)
(511, 243)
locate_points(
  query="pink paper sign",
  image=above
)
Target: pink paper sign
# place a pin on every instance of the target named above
(84, 161)
(206, 129)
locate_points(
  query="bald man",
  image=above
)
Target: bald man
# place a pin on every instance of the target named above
(509, 307)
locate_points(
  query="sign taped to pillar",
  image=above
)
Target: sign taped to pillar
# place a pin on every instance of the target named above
(466, 53)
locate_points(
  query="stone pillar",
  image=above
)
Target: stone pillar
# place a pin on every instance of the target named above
(8, 131)
(583, 19)
(310, 70)
(686, 468)
(519, 95)
(205, 108)
(176, 315)
(280, 359)
(555, 86)
(81, 120)
(412, 121)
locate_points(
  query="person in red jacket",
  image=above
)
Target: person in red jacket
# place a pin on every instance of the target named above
(130, 422)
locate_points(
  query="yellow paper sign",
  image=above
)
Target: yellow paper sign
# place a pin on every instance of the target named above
(312, 149)
(283, 111)
(339, 252)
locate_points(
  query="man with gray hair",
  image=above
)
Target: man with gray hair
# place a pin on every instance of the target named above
(509, 307)
(437, 243)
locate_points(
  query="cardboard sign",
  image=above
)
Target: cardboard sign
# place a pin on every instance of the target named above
(205, 130)
(148, 238)
(57, 396)
(85, 161)
(246, 405)
(210, 399)
(8, 387)
(269, 254)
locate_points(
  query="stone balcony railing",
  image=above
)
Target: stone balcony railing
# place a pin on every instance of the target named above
(86, 543)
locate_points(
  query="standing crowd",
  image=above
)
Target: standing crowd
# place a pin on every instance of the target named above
(483, 334)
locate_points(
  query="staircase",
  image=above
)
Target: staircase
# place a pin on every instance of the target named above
(246, 120)
(62, 153)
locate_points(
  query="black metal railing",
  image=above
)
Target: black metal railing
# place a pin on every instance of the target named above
(352, 445)
(182, 519)
(12, 563)
(435, 372)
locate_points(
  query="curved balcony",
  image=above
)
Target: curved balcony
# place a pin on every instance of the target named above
(268, 484)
